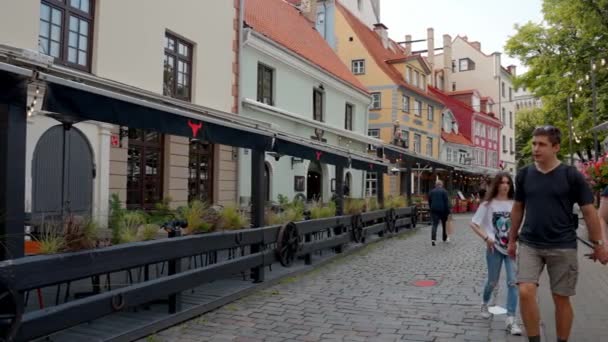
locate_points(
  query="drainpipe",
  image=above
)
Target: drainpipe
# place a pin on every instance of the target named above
(239, 105)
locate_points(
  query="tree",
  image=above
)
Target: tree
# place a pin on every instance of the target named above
(558, 53)
(525, 122)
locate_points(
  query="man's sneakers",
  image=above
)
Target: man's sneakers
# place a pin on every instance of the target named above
(484, 311)
(433, 242)
(512, 326)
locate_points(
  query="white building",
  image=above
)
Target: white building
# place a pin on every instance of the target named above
(525, 100)
(464, 66)
(293, 79)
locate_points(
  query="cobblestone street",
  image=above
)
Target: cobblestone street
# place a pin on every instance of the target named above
(368, 295)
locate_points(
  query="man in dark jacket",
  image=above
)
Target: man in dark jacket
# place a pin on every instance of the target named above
(439, 206)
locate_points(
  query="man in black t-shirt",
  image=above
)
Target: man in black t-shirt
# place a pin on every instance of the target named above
(546, 192)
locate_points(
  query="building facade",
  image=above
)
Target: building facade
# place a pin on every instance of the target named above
(462, 66)
(403, 112)
(294, 80)
(164, 53)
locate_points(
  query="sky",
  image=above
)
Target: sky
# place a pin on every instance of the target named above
(487, 21)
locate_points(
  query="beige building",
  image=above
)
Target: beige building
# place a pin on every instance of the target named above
(464, 66)
(149, 44)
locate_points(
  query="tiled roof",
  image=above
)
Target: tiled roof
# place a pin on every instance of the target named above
(381, 55)
(285, 25)
(456, 138)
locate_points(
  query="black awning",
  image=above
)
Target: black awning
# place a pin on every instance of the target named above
(84, 105)
(394, 155)
(13, 88)
(289, 148)
(368, 166)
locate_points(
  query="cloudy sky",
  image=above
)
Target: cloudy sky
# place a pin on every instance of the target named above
(487, 21)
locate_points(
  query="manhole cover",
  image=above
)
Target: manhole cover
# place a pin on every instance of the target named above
(425, 283)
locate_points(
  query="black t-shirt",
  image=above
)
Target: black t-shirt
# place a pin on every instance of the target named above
(548, 200)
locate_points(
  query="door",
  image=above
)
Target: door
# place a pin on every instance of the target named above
(314, 182)
(62, 173)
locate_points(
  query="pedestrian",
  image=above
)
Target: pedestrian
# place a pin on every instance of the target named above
(439, 206)
(491, 222)
(546, 191)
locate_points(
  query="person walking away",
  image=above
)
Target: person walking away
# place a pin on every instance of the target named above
(546, 192)
(491, 223)
(439, 206)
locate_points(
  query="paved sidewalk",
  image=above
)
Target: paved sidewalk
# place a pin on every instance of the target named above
(366, 296)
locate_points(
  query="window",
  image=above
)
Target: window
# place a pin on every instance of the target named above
(177, 76)
(408, 75)
(482, 157)
(371, 184)
(460, 156)
(431, 114)
(317, 104)
(144, 169)
(66, 31)
(200, 171)
(405, 100)
(417, 141)
(348, 117)
(511, 145)
(405, 136)
(453, 65)
(502, 89)
(358, 66)
(265, 84)
(448, 154)
(418, 108)
(510, 94)
(429, 146)
(376, 101)
(374, 133)
(359, 4)
(453, 86)
(510, 119)
(423, 82)
(416, 78)
(466, 64)
(504, 116)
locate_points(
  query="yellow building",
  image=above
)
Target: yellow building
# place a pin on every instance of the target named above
(403, 111)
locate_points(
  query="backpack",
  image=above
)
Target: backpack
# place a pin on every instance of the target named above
(569, 178)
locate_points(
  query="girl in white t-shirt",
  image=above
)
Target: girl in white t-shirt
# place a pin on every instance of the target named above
(492, 222)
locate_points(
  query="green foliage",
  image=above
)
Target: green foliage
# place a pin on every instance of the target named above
(230, 218)
(193, 214)
(394, 202)
(51, 240)
(354, 206)
(525, 122)
(558, 54)
(147, 232)
(115, 219)
(129, 225)
(319, 210)
(283, 200)
(291, 214)
(201, 228)
(372, 204)
(162, 212)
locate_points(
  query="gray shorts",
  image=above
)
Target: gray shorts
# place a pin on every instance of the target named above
(562, 266)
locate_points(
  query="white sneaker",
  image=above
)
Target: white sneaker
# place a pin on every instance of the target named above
(512, 326)
(484, 311)
(447, 239)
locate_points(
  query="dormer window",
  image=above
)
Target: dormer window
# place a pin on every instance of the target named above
(358, 66)
(466, 64)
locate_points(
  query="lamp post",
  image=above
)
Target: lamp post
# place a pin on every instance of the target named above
(594, 108)
(570, 129)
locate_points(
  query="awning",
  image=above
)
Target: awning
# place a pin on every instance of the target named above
(13, 84)
(394, 153)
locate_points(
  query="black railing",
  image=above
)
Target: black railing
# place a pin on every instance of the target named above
(284, 243)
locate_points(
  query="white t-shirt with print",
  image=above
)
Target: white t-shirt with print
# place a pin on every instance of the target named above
(495, 218)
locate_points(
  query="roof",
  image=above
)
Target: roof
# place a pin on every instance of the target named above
(381, 55)
(458, 107)
(456, 138)
(285, 25)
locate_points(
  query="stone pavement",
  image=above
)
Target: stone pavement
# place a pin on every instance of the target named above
(366, 296)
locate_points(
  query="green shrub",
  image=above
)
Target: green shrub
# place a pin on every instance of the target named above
(203, 227)
(372, 204)
(193, 214)
(354, 206)
(319, 210)
(51, 241)
(115, 219)
(394, 202)
(230, 218)
(147, 232)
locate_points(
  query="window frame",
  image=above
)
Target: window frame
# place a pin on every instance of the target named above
(67, 11)
(348, 116)
(430, 114)
(371, 184)
(379, 100)
(470, 65)
(429, 142)
(360, 70)
(405, 99)
(144, 148)
(318, 94)
(510, 119)
(178, 57)
(262, 69)
(199, 154)
(417, 144)
(418, 112)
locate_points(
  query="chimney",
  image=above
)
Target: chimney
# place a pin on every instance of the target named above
(382, 32)
(430, 41)
(309, 10)
(447, 61)
(408, 46)
(497, 64)
(465, 38)
(476, 45)
(512, 70)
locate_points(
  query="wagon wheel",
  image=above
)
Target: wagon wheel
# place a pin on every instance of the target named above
(288, 244)
(10, 312)
(357, 229)
(391, 220)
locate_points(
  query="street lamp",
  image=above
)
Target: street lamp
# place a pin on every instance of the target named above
(570, 129)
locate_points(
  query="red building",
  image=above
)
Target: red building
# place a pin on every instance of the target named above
(477, 122)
